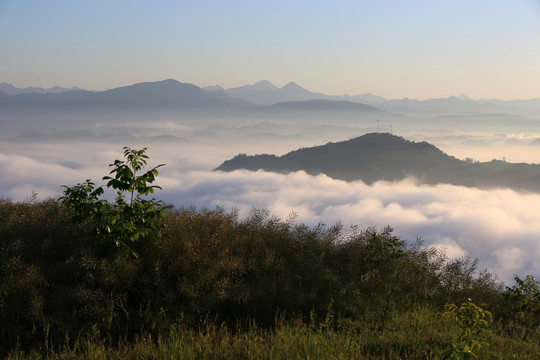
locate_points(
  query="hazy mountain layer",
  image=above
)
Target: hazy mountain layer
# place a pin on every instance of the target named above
(265, 93)
(173, 94)
(13, 90)
(159, 94)
(387, 157)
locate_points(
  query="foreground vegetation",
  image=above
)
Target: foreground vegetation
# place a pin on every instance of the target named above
(414, 335)
(209, 284)
(83, 278)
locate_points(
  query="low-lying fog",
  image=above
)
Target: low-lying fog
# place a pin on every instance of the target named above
(40, 152)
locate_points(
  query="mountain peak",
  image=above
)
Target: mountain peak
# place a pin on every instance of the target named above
(167, 93)
(166, 82)
(293, 85)
(264, 85)
(213, 88)
(371, 157)
(382, 156)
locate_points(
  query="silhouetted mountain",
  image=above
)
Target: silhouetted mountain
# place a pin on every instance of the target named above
(167, 93)
(162, 94)
(213, 88)
(36, 100)
(293, 89)
(292, 97)
(324, 105)
(9, 89)
(265, 93)
(450, 105)
(530, 106)
(263, 85)
(363, 98)
(375, 156)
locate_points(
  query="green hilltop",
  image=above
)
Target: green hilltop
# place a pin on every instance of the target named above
(382, 156)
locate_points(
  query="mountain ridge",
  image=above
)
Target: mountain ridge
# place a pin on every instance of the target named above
(165, 94)
(383, 156)
(10, 89)
(325, 105)
(172, 94)
(263, 93)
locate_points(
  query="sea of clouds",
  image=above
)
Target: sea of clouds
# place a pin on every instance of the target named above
(499, 226)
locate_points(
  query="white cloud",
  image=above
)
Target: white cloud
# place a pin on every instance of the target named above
(501, 227)
(509, 258)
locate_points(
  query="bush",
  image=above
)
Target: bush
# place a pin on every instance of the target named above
(61, 281)
(126, 220)
(473, 323)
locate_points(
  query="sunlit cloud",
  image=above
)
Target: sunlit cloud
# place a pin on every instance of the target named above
(500, 227)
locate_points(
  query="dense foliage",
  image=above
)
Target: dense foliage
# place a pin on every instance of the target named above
(60, 283)
(131, 216)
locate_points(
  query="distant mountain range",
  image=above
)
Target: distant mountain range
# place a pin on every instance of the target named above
(172, 94)
(263, 95)
(379, 156)
(167, 93)
(9, 89)
(159, 94)
(311, 109)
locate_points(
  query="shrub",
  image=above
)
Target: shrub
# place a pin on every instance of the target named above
(524, 301)
(473, 322)
(127, 219)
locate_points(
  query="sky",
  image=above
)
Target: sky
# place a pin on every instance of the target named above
(416, 49)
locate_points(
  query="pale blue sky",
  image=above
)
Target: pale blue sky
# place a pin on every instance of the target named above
(415, 49)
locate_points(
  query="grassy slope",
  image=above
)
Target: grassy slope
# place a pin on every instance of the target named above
(414, 335)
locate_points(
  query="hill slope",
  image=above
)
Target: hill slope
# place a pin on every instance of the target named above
(387, 157)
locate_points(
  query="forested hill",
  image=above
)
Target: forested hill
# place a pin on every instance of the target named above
(377, 156)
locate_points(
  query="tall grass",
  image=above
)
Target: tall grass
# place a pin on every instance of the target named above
(413, 335)
(66, 292)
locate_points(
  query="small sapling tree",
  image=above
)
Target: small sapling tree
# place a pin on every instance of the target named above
(473, 322)
(131, 216)
(525, 300)
(83, 198)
